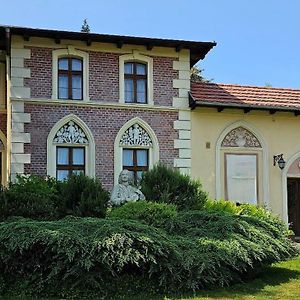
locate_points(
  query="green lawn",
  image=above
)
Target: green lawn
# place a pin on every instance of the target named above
(281, 281)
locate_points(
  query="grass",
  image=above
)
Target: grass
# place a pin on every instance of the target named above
(280, 281)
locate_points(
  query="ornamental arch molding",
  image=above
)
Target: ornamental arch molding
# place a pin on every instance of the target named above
(135, 133)
(242, 135)
(70, 131)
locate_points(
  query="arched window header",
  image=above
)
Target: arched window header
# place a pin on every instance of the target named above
(136, 135)
(241, 137)
(70, 133)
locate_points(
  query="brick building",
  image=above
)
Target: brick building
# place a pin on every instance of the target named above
(79, 102)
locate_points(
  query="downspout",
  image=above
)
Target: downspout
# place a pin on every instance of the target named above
(8, 102)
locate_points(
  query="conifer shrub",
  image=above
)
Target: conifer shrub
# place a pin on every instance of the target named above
(83, 196)
(168, 185)
(150, 213)
(92, 257)
(30, 196)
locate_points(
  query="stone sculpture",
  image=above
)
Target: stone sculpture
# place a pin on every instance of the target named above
(125, 191)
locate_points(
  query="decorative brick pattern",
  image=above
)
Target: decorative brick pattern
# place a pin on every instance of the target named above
(104, 124)
(103, 76)
(3, 124)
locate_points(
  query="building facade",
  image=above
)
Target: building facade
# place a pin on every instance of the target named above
(78, 102)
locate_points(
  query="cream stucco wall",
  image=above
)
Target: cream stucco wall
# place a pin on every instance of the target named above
(279, 133)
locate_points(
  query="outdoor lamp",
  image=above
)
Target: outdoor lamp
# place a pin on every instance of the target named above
(279, 160)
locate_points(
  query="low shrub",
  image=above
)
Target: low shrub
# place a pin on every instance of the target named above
(221, 206)
(150, 213)
(77, 257)
(168, 185)
(83, 196)
(32, 197)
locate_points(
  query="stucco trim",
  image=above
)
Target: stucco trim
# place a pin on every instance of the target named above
(90, 147)
(265, 165)
(153, 152)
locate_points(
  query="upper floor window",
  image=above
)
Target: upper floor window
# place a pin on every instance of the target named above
(70, 78)
(135, 76)
(70, 74)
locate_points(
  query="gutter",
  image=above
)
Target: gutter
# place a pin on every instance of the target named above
(193, 103)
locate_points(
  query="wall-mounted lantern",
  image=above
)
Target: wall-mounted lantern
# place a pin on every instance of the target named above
(279, 160)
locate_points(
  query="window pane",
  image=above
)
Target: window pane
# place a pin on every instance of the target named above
(62, 156)
(63, 87)
(241, 178)
(141, 69)
(127, 158)
(78, 156)
(62, 175)
(141, 91)
(128, 68)
(76, 64)
(142, 158)
(76, 87)
(129, 94)
(63, 64)
(139, 175)
(77, 172)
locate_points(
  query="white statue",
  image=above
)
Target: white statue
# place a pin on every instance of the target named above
(125, 191)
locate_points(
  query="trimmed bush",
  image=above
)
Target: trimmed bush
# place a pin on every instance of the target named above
(167, 185)
(32, 197)
(83, 196)
(78, 257)
(150, 213)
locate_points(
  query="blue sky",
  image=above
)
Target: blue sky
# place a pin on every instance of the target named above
(258, 40)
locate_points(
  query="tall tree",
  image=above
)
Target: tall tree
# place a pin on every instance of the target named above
(196, 75)
(85, 26)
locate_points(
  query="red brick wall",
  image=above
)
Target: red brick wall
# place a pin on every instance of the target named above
(40, 64)
(3, 124)
(104, 124)
(103, 76)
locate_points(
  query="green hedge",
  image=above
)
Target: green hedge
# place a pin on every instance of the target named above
(109, 257)
(168, 185)
(47, 199)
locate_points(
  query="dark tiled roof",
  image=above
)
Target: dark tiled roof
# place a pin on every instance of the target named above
(229, 95)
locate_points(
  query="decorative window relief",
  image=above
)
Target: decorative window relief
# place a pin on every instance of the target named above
(135, 135)
(136, 148)
(70, 133)
(241, 137)
(70, 148)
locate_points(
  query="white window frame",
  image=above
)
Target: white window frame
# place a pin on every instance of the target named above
(136, 57)
(70, 52)
(89, 148)
(153, 151)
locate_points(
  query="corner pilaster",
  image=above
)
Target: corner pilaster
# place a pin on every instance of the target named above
(19, 118)
(183, 124)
